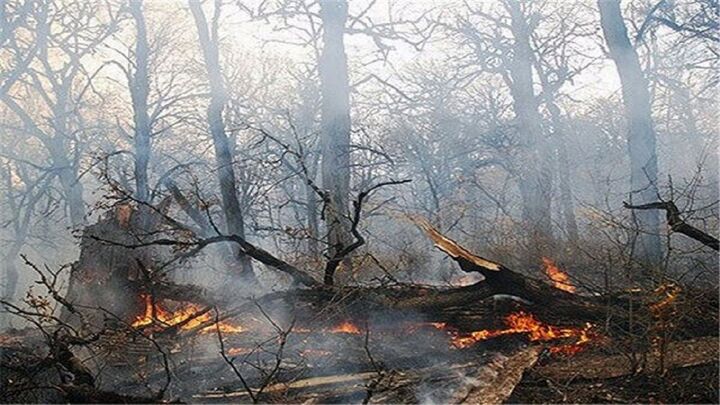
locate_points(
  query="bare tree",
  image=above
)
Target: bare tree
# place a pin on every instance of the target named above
(500, 43)
(335, 136)
(208, 37)
(139, 89)
(641, 135)
(53, 82)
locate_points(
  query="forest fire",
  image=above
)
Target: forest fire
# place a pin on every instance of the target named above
(188, 317)
(559, 278)
(363, 201)
(522, 322)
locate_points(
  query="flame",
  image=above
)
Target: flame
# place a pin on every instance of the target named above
(190, 316)
(668, 292)
(346, 327)
(438, 325)
(522, 322)
(559, 278)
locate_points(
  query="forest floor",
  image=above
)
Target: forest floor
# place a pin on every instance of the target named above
(690, 377)
(688, 385)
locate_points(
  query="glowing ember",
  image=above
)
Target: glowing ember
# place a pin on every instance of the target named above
(559, 278)
(188, 317)
(438, 325)
(521, 322)
(668, 294)
(346, 327)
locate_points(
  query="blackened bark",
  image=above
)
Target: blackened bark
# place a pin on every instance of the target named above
(641, 135)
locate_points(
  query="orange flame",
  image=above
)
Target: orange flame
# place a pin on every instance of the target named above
(189, 315)
(559, 278)
(346, 327)
(522, 322)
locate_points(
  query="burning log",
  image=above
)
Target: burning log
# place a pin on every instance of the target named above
(524, 323)
(501, 280)
(559, 278)
(186, 317)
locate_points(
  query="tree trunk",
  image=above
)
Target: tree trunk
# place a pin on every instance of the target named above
(67, 174)
(139, 89)
(11, 271)
(307, 113)
(312, 222)
(335, 126)
(536, 170)
(223, 155)
(641, 136)
(566, 196)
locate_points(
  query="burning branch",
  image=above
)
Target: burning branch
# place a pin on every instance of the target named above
(501, 280)
(559, 278)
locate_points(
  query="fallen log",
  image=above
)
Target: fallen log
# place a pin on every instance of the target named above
(472, 381)
(502, 280)
(506, 375)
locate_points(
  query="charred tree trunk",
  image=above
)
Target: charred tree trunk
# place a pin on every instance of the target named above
(335, 125)
(109, 275)
(223, 156)
(641, 135)
(536, 171)
(139, 89)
